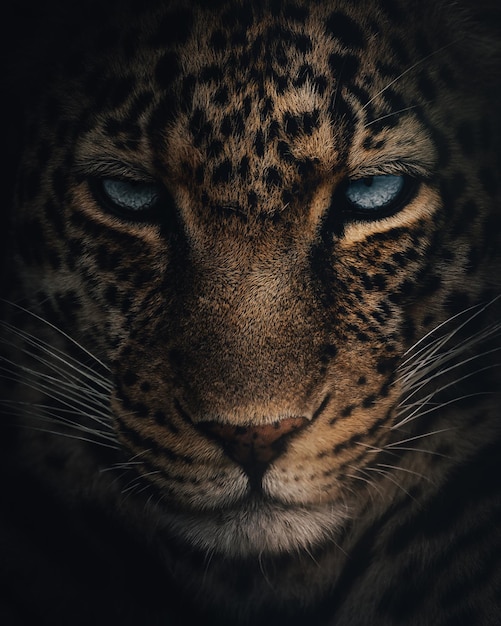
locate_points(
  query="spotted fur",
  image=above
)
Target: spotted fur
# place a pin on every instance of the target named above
(253, 401)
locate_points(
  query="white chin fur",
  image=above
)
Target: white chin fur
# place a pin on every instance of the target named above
(257, 528)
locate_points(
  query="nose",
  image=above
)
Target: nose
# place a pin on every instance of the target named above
(254, 447)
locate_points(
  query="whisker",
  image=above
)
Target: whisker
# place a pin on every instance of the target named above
(70, 436)
(73, 401)
(42, 412)
(58, 330)
(419, 368)
(422, 436)
(57, 356)
(442, 372)
(478, 310)
(405, 72)
(405, 469)
(416, 413)
(387, 475)
(383, 117)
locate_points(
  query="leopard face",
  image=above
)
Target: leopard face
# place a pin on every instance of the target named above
(268, 223)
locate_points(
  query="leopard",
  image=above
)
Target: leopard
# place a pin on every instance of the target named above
(251, 315)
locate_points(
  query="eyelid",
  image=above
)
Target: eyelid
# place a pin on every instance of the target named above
(111, 168)
(391, 168)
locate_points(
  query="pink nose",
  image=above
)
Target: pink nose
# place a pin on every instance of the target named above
(254, 446)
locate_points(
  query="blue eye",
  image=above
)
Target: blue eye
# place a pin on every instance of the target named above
(133, 200)
(375, 192)
(130, 195)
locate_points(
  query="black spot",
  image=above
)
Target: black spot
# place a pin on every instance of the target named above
(160, 418)
(310, 121)
(222, 173)
(273, 130)
(369, 401)
(247, 106)
(396, 103)
(344, 66)
(221, 96)
(199, 127)
(387, 70)
(363, 337)
(259, 144)
(345, 30)
(129, 378)
(211, 73)
(320, 83)
(302, 42)
(287, 197)
(292, 124)
(329, 351)
(347, 410)
(243, 168)
(226, 127)
(252, 199)
(345, 112)
(281, 82)
(280, 55)
(305, 72)
(214, 149)
(306, 167)
(284, 151)
(238, 123)
(218, 41)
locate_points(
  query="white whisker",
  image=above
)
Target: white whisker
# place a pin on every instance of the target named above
(407, 71)
(383, 117)
(57, 330)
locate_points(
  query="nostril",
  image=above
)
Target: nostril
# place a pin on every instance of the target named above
(254, 446)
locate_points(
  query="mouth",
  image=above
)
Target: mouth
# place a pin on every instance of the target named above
(256, 526)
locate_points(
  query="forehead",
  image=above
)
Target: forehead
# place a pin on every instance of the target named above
(268, 91)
